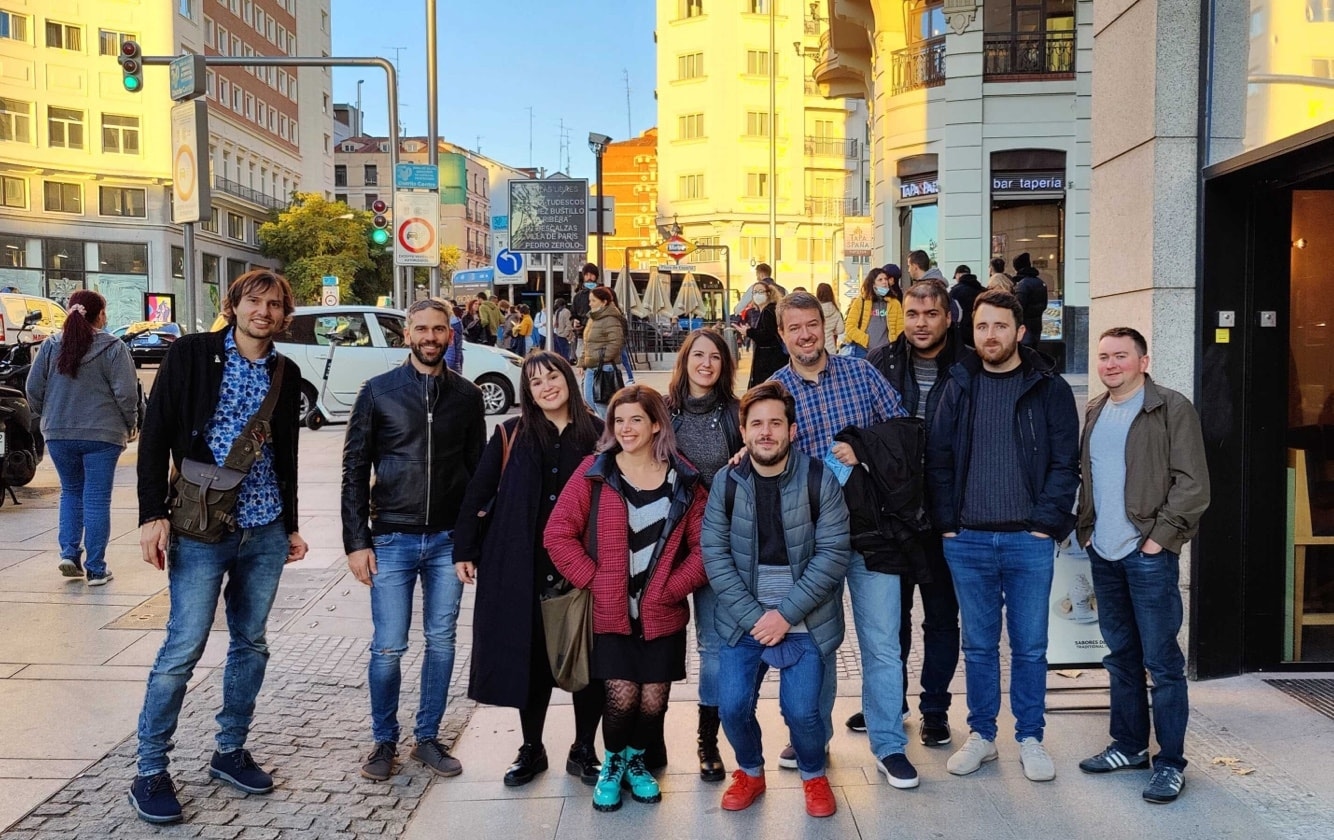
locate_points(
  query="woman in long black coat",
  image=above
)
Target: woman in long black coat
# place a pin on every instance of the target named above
(769, 355)
(500, 548)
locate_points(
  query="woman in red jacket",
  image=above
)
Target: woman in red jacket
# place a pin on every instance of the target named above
(645, 541)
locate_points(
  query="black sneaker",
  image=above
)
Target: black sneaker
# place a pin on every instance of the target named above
(154, 798)
(935, 730)
(583, 762)
(239, 770)
(71, 567)
(379, 765)
(899, 771)
(98, 578)
(433, 754)
(532, 759)
(1112, 759)
(1164, 786)
(857, 723)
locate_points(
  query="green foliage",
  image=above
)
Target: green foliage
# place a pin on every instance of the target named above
(313, 237)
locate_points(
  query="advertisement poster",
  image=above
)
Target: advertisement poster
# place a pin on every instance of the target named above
(1073, 636)
(159, 307)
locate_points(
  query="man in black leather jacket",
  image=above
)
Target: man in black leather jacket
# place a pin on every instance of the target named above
(420, 428)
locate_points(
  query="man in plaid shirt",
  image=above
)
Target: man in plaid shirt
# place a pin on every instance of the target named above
(832, 393)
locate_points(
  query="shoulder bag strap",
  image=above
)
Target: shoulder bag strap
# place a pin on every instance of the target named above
(245, 449)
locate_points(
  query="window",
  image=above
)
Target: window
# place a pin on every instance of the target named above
(340, 175)
(341, 198)
(224, 92)
(690, 126)
(236, 45)
(813, 250)
(63, 198)
(124, 257)
(236, 227)
(108, 42)
(186, 8)
(64, 36)
(120, 135)
(689, 8)
(926, 20)
(371, 177)
(15, 120)
(13, 27)
(757, 184)
(177, 262)
(758, 7)
(757, 123)
(690, 66)
(757, 63)
(64, 128)
(757, 248)
(690, 186)
(211, 223)
(1027, 37)
(13, 192)
(1322, 68)
(248, 11)
(212, 267)
(370, 199)
(123, 201)
(222, 40)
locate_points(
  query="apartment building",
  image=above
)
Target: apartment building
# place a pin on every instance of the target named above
(84, 165)
(630, 179)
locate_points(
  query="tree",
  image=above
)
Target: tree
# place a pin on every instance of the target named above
(314, 237)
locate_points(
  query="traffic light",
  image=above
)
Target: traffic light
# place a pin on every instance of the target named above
(131, 66)
(380, 231)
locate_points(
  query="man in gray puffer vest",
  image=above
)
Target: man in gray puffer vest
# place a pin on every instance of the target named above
(775, 545)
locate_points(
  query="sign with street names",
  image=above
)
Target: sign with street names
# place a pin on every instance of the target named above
(548, 216)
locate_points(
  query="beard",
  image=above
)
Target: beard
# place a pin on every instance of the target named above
(784, 447)
(808, 359)
(421, 353)
(998, 355)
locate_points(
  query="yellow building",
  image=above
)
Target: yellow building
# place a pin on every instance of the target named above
(630, 178)
(715, 128)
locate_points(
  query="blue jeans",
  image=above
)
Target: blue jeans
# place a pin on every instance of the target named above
(940, 641)
(740, 670)
(86, 469)
(708, 642)
(561, 347)
(400, 559)
(252, 560)
(625, 363)
(856, 351)
(875, 612)
(1139, 613)
(600, 408)
(992, 569)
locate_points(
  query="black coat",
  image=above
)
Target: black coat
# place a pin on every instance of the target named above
(894, 361)
(770, 355)
(1032, 294)
(506, 601)
(965, 294)
(886, 507)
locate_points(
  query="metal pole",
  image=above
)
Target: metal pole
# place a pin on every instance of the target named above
(833, 274)
(773, 142)
(191, 281)
(433, 118)
(727, 283)
(360, 82)
(549, 297)
(602, 266)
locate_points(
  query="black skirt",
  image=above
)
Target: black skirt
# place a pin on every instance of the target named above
(618, 657)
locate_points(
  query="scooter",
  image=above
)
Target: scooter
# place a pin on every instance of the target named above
(18, 358)
(21, 443)
(319, 415)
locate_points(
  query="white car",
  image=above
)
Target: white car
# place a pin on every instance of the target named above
(377, 347)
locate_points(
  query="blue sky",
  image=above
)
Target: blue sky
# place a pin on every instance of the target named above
(564, 58)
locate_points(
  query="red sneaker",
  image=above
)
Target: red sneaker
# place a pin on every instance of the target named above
(743, 791)
(819, 797)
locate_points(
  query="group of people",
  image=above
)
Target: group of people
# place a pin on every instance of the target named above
(751, 513)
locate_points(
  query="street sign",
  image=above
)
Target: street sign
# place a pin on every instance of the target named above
(330, 280)
(858, 236)
(416, 219)
(472, 275)
(500, 222)
(189, 77)
(329, 295)
(677, 247)
(549, 217)
(416, 176)
(509, 265)
(608, 216)
(191, 199)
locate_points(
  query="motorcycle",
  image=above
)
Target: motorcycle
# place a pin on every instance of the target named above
(18, 357)
(22, 446)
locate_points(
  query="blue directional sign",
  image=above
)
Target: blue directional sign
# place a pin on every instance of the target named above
(416, 176)
(500, 222)
(188, 77)
(508, 262)
(330, 280)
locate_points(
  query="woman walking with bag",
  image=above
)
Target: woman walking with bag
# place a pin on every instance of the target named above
(83, 385)
(626, 528)
(704, 411)
(604, 337)
(528, 462)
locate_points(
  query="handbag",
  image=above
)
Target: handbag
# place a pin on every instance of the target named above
(567, 619)
(203, 496)
(606, 381)
(484, 514)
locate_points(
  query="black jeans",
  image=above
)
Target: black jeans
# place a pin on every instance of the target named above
(940, 640)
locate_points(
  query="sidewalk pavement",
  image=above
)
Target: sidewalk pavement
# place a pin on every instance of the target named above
(73, 662)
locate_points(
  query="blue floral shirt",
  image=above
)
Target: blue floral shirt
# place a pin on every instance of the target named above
(244, 386)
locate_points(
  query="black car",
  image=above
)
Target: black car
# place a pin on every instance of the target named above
(148, 340)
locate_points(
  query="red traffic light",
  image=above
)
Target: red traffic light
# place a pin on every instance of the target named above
(129, 49)
(378, 207)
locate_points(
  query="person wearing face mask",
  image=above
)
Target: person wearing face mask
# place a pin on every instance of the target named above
(589, 279)
(604, 337)
(768, 355)
(875, 317)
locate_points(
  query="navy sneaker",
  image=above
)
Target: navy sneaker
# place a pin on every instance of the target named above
(239, 770)
(1164, 786)
(154, 798)
(99, 578)
(71, 567)
(898, 771)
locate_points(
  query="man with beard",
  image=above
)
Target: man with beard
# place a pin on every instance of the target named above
(775, 543)
(420, 429)
(832, 393)
(1002, 468)
(917, 366)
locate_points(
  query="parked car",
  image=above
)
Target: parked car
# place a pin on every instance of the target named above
(378, 344)
(148, 340)
(15, 306)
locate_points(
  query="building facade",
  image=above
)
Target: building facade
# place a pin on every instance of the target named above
(980, 137)
(714, 131)
(630, 179)
(85, 165)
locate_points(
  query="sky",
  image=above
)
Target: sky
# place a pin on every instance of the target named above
(497, 58)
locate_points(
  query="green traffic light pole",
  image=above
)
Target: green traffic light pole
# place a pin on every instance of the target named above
(391, 79)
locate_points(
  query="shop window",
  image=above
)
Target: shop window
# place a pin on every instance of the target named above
(919, 226)
(122, 257)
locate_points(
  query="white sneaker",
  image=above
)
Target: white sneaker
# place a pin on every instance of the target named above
(1038, 766)
(975, 752)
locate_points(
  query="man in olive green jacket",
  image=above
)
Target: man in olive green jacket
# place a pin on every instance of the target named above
(1145, 486)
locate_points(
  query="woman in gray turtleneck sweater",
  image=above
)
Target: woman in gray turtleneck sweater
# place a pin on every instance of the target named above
(708, 433)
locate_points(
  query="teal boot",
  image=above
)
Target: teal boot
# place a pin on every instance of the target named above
(607, 791)
(643, 787)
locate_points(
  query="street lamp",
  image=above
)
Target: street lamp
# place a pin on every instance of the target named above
(597, 144)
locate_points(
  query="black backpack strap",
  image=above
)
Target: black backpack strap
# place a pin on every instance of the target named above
(729, 494)
(591, 535)
(814, 478)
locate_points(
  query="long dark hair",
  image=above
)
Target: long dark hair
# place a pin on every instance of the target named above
(532, 420)
(85, 307)
(679, 389)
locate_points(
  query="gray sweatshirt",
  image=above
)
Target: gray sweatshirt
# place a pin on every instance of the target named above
(102, 404)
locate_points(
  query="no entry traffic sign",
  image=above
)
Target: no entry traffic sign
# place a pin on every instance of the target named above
(416, 218)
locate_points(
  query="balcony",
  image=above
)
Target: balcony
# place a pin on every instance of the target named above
(919, 66)
(1022, 56)
(247, 194)
(830, 147)
(831, 208)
